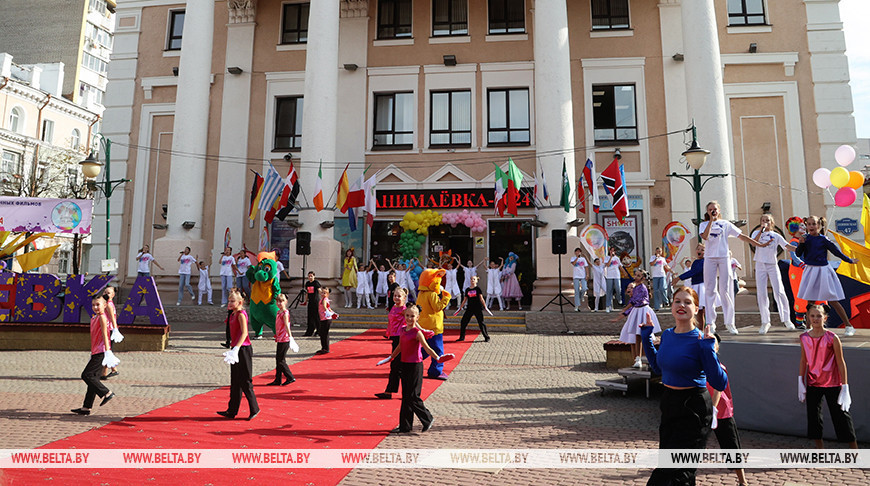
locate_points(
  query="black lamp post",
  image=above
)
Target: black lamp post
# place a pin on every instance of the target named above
(91, 168)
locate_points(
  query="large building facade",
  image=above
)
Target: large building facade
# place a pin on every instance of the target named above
(429, 95)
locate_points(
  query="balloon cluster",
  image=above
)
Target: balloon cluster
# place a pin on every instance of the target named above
(847, 182)
(416, 228)
(466, 217)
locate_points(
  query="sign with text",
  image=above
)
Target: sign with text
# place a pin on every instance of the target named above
(41, 215)
(419, 199)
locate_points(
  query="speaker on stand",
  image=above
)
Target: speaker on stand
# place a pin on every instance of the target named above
(560, 247)
(303, 247)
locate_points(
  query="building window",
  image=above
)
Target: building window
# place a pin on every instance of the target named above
(450, 119)
(16, 120)
(75, 139)
(98, 6)
(288, 123)
(394, 19)
(394, 120)
(47, 131)
(507, 16)
(449, 17)
(94, 94)
(10, 167)
(746, 12)
(176, 27)
(609, 14)
(508, 118)
(614, 111)
(94, 63)
(63, 261)
(98, 36)
(294, 23)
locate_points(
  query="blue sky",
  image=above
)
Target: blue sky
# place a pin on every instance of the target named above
(855, 15)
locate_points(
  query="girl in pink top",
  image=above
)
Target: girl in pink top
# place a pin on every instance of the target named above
(823, 374)
(109, 296)
(285, 341)
(411, 341)
(724, 425)
(101, 348)
(326, 317)
(240, 359)
(395, 323)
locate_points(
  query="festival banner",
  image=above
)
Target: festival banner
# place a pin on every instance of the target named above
(594, 239)
(42, 215)
(675, 237)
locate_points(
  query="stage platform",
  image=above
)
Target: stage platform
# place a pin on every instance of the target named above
(763, 370)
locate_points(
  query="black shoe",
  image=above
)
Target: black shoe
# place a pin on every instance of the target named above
(460, 339)
(288, 381)
(253, 415)
(113, 373)
(429, 425)
(486, 340)
(399, 430)
(226, 413)
(307, 335)
(80, 411)
(321, 351)
(274, 383)
(384, 395)
(226, 345)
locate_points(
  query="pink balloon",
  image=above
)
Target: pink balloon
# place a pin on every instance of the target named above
(845, 197)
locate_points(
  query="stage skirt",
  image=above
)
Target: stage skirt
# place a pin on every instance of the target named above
(820, 283)
(637, 318)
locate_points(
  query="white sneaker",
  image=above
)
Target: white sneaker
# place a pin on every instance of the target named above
(733, 330)
(764, 328)
(850, 331)
(637, 362)
(608, 309)
(789, 325)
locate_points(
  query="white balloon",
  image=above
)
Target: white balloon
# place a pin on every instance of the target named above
(845, 155)
(822, 178)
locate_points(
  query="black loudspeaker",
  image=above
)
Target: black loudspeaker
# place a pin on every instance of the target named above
(560, 241)
(303, 243)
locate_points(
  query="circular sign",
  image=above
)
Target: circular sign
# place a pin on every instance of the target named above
(66, 215)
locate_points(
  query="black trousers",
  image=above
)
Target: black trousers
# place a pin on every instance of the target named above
(313, 319)
(686, 419)
(395, 368)
(91, 377)
(323, 330)
(412, 404)
(241, 381)
(466, 318)
(842, 420)
(281, 367)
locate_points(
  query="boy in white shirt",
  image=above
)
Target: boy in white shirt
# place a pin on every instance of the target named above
(580, 286)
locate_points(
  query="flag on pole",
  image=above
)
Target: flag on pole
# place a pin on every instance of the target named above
(343, 189)
(371, 200)
(351, 219)
(356, 196)
(565, 200)
(271, 191)
(318, 189)
(514, 182)
(255, 196)
(287, 201)
(865, 220)
(615, 185)
(500, 190)
(589, 175)
(544, 187)
(36, 258)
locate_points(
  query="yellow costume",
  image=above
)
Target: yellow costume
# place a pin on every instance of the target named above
(348, 277)
(432, 300)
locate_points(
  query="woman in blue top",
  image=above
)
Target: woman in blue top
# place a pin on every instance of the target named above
(686, 360)
(819, 282)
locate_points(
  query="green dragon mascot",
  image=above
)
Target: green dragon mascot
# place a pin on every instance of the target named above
(264, 292)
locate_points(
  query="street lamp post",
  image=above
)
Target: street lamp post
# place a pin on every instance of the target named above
(696, 157)
(91, 169)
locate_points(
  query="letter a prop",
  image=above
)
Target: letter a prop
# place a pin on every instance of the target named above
(143, 289)
(78, 295)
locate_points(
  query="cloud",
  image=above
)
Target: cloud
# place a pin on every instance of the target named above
(854, 14)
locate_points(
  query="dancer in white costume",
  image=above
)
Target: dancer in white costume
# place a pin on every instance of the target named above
(766, 270)
(493, 283)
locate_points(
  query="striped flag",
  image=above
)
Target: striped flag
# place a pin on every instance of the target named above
(514, 182)
(371, 200)
(356, 196)
(343, 189)
(271, 191)
(589, 175)
(615, 185)
(287, 201)
(500, 190)
(318, 189)
(255, 196)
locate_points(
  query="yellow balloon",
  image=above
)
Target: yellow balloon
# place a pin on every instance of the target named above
(839, 177)
(856, 179)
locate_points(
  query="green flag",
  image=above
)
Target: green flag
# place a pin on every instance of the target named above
(565, 201)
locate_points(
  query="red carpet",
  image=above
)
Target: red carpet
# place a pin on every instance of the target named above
(331, 405)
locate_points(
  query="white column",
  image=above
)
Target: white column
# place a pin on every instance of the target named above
(706, 96)
(554, 120)
(319, 122)
(231, 206)
(190, 134)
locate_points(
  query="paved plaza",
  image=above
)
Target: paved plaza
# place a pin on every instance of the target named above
(518, 391)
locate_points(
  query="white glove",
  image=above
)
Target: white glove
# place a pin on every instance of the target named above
(293, 346)
(715, 421)
(110, 361)
(844, 400)
(231, 357)
(383, 361)
(802, 390)
(117, 337)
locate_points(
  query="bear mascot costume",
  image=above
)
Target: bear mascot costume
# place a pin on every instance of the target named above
(432, 300)
(264, 292)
